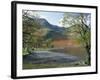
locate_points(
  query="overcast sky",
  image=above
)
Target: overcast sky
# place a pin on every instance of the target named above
(53, 17)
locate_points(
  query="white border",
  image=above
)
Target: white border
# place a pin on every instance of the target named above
(35, 72)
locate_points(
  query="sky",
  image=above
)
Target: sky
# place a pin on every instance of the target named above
(52, 17)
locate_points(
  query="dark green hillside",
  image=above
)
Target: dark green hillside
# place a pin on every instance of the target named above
(55, 35)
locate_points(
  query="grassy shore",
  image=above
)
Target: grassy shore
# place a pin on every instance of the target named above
(62, 65)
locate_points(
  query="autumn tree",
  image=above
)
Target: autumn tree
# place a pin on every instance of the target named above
(81, 23)
(33, 32)
(29, 28)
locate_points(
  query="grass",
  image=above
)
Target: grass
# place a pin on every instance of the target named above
(39, 66)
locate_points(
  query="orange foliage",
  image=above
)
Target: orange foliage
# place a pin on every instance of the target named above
(64, 43)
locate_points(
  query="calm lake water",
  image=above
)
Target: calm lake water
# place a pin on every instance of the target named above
(39, 57)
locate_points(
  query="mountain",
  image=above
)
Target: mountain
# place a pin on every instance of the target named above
(50, 30)
(45, 24)
(55, 32)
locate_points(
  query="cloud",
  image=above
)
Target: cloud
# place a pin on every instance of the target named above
(41, 16)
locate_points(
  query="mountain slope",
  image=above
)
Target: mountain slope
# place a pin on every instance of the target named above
(54, 32)
(51, 31)
(45, 24)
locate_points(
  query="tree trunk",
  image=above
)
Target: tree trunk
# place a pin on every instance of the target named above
(89, 54)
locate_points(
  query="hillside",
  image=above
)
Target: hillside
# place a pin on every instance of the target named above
(49, 30)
